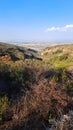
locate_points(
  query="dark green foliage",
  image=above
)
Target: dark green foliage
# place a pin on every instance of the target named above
(63, 57)
(3, 106)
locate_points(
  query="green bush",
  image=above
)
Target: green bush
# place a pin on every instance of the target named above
(63, 57)
(57, 51)
(3, 105)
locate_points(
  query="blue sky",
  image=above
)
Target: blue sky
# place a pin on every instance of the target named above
(40, 20)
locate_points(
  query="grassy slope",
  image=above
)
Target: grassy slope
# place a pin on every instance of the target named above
(58, 56)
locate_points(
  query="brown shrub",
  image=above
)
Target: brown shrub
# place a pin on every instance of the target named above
(45, 98)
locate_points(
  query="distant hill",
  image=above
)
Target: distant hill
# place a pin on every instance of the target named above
(14, 53)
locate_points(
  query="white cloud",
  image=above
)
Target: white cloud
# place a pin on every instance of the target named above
(62, 29)
(69, 26)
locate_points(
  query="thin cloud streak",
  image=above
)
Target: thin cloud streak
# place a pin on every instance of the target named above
(60, 29)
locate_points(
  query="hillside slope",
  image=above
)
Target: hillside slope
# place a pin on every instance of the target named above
(14, 53)
(35, 93)
(58, 56)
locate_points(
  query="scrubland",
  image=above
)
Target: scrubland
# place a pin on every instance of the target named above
(36, 90)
